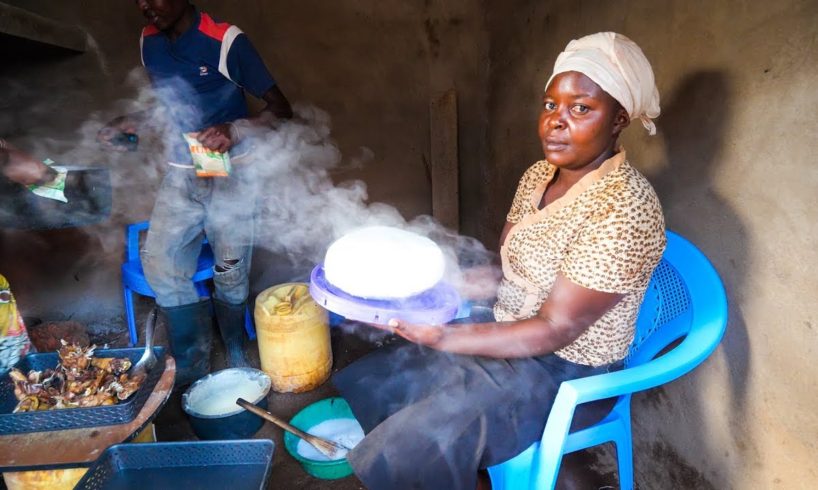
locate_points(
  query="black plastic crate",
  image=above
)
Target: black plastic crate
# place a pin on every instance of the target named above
(237, 465)
(73, 418)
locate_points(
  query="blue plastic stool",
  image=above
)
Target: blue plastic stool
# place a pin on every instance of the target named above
(684, 300)
(133, 278)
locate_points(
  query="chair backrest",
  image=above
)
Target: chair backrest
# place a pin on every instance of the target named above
(132, 239)
(667, 311)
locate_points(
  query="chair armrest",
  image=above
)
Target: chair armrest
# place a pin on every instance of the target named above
(683, 358)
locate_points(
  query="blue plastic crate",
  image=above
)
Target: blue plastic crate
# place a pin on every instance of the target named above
(73, 418)
(237, 465)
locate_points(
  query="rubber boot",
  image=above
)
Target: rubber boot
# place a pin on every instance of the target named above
(231, 325)
(190, 334)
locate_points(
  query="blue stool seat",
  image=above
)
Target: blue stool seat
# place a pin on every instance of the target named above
(133, 278)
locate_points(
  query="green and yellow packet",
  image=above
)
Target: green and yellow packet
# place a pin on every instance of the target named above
(54, 189)
(208, 163)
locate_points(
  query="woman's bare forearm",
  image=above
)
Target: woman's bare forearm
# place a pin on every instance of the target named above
(525, 338)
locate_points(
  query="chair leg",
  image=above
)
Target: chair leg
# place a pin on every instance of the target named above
(129, 315)
(249, 327)
(624, 457)
(516, 472)
(202, 290)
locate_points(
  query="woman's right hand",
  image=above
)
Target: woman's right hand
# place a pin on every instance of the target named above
(117, 126)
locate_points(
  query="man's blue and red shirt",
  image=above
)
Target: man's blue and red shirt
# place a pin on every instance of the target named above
(201, 76)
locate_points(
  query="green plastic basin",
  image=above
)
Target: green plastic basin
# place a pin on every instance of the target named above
(310, 416)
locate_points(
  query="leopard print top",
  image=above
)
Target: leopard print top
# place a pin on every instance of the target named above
(607, 233)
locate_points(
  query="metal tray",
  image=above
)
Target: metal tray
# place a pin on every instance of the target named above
(238, 465)
(73, 418)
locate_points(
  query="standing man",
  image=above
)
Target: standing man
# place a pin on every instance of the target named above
(200, 69)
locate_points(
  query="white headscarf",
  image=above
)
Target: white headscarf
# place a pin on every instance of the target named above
(619, 67)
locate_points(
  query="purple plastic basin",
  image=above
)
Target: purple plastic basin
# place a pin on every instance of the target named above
(434, 306)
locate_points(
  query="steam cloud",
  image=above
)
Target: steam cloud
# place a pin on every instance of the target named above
(299, 209)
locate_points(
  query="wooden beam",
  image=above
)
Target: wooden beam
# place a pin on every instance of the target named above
(444, 159)
(21, 23)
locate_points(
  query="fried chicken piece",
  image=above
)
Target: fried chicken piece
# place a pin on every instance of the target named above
(27, 404)
(17, 376)
(80, 380)
(79, 387)
(111, 364)
(55, 380)
(74, 358)
(96, 400)
(35, 377)
(24, 388)
(31, 403)
(126, 386)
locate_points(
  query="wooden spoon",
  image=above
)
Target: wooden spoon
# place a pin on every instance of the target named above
(324, 446)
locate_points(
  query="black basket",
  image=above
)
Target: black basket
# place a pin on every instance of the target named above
(238, 465)
(73, 418)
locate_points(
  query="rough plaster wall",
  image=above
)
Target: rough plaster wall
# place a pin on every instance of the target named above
(45, 104)
(372, 65)
(732, 164)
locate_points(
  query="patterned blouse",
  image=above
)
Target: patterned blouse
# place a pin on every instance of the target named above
(607, 233)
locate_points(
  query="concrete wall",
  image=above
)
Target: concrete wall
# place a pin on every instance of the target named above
(373, 66)
(733, 166)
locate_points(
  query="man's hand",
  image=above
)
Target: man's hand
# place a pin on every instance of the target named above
(218, 138)
(24, 169)
(223, 137)
(117, 126)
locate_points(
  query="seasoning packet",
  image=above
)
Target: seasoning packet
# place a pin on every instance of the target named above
(208, 163)
(54, 189)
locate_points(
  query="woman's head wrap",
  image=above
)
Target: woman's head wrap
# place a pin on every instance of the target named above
(619, 67)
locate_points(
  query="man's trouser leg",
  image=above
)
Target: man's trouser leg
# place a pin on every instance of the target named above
(229, 227)
(169, 259)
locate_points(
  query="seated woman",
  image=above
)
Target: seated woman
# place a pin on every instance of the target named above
(583, 237)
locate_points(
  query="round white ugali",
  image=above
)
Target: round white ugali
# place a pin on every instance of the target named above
(381, 262)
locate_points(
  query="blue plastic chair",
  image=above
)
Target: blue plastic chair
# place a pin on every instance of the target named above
(133, 278)
(685, 298)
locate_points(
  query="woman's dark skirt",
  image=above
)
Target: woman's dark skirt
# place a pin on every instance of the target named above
(432, 418)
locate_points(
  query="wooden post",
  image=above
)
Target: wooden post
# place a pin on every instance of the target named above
(444, 159)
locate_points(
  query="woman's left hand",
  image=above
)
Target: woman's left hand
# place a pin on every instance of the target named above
(428, 335)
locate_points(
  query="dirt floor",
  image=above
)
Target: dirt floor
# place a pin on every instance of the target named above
(583, 470)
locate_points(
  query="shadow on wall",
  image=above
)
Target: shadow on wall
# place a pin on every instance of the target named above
(693, 122)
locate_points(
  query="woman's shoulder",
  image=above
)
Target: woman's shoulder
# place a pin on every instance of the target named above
(537, 172)
(629, 188)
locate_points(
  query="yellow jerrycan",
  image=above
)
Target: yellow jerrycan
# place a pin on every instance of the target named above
(293, 338)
